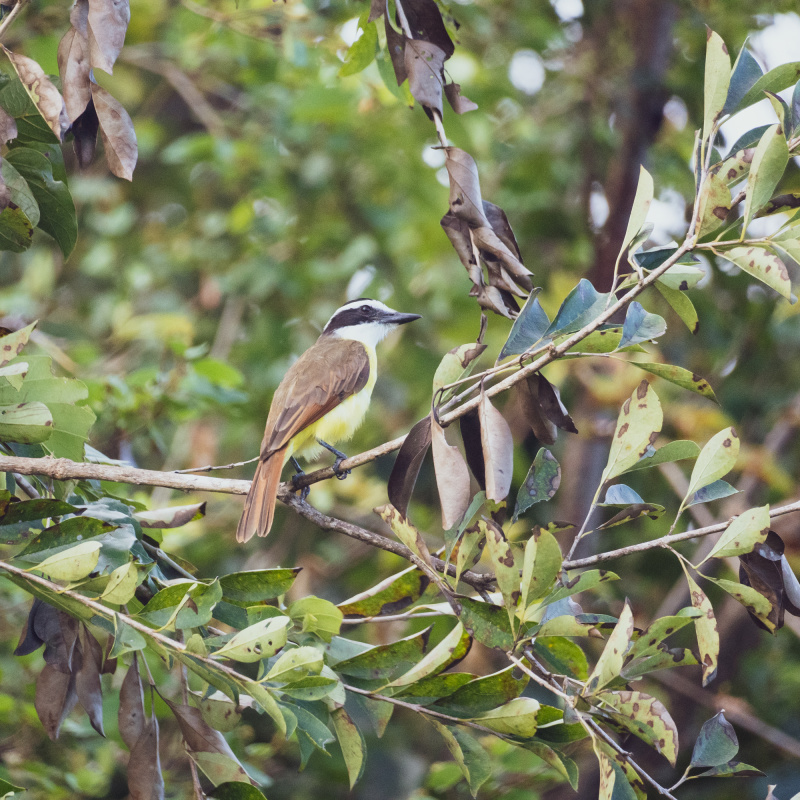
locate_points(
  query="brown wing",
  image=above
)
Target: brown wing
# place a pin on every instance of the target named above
(327, 373)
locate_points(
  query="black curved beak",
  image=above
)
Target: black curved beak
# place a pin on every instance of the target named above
(400, 319)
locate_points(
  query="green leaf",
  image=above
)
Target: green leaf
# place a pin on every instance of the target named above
(451, 649)
(236, 790)
(540, 566)
(681, 305)
(717, 81)
(674, 451)
(541, 482)
(71, 531)
(641, 205)
(296, 663)
(645, 717)
(680, 377)
(383, 662)
(716, 459)
(488, 623)
(218, 711)
(663, 659)
(312, 733)
(650, 639)
(126, 638)
(562, 656)
(27, 423)
(767, 168)
(122, 584)
(182, 605)
(580, 306)
(264, 697)
(19, 192)
(363, 50)
(706, 627)
(58, 216)
(717, 743)
(610, 663)
(641, 326)
(71, 564)
(483, 694)
(258, 641)
(529, 327)
(733, 769)
(579, 583)
(773, 81)
(31, 124)
(515, 718)
(16, 230)
(456, 365)
(429, 690)
(714, 491)
(317, 616)
(354, 748)
(256, 586)
(390, 596)
(469, 755)
(639, 421)
(761, 264)
(682, 277)
(743, 534)
(746, 71)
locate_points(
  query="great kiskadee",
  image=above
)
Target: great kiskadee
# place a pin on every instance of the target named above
(321, 400)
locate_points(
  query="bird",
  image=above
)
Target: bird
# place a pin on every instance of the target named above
(321, 400)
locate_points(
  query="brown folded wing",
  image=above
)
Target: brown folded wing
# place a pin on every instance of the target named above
(324, 376)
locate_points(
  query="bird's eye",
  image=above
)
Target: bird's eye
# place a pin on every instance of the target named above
(365, 308)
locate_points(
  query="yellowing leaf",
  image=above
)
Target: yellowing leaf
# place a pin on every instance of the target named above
(706, 627)
(258, 641)
(122, 584)
(72, 564)
(611, 659)
(742, 535)
(717, 80)
(716, 459)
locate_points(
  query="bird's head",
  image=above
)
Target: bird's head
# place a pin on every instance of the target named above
(366, 321)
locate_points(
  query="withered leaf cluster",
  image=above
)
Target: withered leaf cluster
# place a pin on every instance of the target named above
(73, 665)
(94, 41)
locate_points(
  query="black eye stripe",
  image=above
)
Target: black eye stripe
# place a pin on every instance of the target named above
(353, 316)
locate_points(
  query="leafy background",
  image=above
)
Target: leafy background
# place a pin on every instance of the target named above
(268, 191)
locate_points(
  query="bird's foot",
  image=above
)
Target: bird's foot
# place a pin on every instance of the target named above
(341, 474)
(304, 490)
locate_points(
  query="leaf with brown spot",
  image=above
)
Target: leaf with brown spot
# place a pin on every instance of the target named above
(769, 163)
(131, 718)
(87, 678)
(761, 264)
(610, 663)
(354, 748)
(763, 571)
(498, 449)
(75, 70)
(505, 570)
(759, 606)
(107, 24)
(645, 717)
(680, 304)
(456, 365)
(390, 596)
(452, 477)
(706, 627)
(639, 421)
(404, 531)
(716, 459)
(540, 567)
(541, 482)
(145, 781)
(42, 92)
(117, 133)
(743, 534)
(55, 698)
(408, 464)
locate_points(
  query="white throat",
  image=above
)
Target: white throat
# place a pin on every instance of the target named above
(368, 333)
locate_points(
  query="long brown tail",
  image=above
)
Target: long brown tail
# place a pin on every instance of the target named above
(259, 507)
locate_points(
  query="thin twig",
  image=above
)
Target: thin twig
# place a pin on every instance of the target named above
(210, 468)
(4, 25)
(27, 487)
(394, 617)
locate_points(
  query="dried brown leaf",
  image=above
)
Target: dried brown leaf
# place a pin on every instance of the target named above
(396, 45)
(42, 91)
(498, 449)
(424, 64)
(502, 227)
(131, 717)
(452, 477)
(425, 21)
(457, 231)
(377, 8)
(29, 641)
(473, 447)
(465, 188)
(528, 393)
(459, 103)
(491, 246)
(407, 465)
(87, 678)
(551, 405)
(55, 698)
(199, 736)
(84, 131)
(108, 22)
(145, 781)
(75, 70)
(116, 130)
(493, 299)
(8, 127)
(59, 632)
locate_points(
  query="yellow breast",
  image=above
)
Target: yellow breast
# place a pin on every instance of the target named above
(337, 425)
